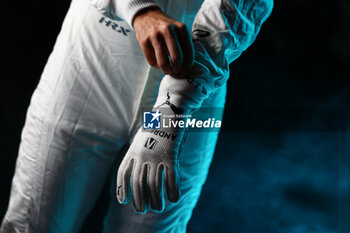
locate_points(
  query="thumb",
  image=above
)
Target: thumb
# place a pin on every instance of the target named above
(123, 191)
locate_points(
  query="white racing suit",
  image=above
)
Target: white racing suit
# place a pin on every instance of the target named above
(85, 111)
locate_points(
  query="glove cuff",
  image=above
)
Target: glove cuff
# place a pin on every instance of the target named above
(182, 95)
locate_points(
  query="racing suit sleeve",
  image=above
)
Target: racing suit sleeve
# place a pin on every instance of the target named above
(125, 9)
(221, 31)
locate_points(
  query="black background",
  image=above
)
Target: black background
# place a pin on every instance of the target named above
(259, 181)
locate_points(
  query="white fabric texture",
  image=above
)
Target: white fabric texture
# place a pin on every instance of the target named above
(124, 9)
(86, 109)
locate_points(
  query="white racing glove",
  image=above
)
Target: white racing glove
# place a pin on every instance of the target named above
(152, 162)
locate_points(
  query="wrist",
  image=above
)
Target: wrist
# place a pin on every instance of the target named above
(128, 9)
(186, 95)
(144, 12)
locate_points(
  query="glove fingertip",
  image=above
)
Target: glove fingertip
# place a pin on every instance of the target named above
(158, 211)
(140, 208)
(174, 196)
(172, 185)
(120, 194)
(140, 212)
(158, 205)
(123, 179)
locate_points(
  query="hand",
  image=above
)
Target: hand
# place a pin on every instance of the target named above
(151, 160)
(161, 37)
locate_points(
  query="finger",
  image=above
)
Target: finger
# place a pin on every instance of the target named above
(123, 181)
(161, 53)
(138, 194)
(155, 185)
(174, 49)
(187, 47)
(144, 189)
(149, 53)
(172, 186)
